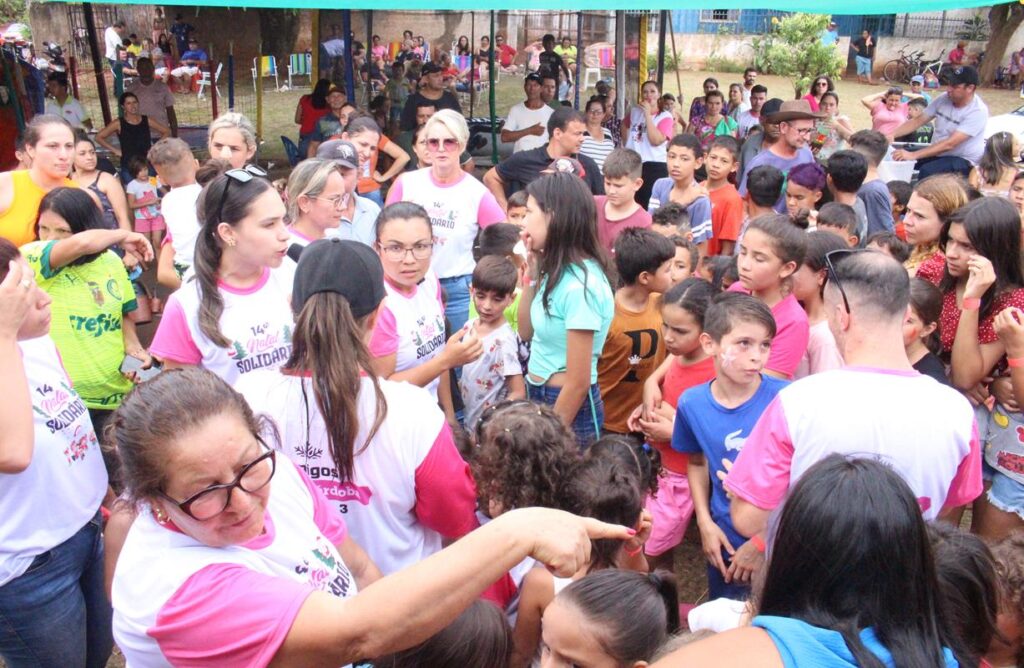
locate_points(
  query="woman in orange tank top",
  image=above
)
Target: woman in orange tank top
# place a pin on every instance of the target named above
(50, 146)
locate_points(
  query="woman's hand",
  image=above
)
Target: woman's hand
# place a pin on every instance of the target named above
(747, 561)
(1002, 389)
(130, 262)
(463, 347)
(17, 292)
(1009, 326)
(143, 356)
(138, 245)
(643, 532)
(558, 539)
(980, 278)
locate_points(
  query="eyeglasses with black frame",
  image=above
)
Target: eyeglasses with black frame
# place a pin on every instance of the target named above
(214, 500)
(242, 175)
(831, 259)
(397, 252)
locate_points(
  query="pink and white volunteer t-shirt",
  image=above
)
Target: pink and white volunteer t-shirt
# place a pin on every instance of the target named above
(411, 326)
(180, 602)
(63, 486)
(256, 320)
(924, 430)
(457, 212)
(410, 486)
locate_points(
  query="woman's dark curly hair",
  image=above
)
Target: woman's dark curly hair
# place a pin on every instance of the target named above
(525, 453)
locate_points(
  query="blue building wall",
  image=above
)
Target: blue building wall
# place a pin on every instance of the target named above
(757, 21)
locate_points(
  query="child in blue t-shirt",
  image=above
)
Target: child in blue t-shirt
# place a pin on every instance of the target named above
(712, 423)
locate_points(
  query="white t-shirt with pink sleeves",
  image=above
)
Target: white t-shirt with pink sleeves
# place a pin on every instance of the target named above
(257, 321)
(63, 486)
(410, 486)
(924, 430)
(457, 212)
(176, 599)
(411, 326)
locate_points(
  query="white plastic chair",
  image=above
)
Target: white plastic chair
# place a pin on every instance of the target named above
(587, 73)
(205, 81)
(265, 67)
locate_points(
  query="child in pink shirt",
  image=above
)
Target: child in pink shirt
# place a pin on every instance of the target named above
(771, 251)
(808, 284)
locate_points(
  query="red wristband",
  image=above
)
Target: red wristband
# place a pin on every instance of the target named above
(1015, 362)
(970, 304)
(758, 543)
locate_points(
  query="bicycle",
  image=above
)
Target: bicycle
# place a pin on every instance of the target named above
(904, 67)
(935, 67)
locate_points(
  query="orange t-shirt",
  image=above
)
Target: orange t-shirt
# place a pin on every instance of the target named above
(366, 184)
(726, 217)
(633, 350)
(18, 223)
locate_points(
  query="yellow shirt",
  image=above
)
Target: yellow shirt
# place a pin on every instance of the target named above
(18, 223)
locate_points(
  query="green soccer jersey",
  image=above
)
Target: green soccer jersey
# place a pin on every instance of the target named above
(89, 303)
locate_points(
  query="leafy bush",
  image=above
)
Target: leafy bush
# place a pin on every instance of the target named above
(796, 50)
(974, 29)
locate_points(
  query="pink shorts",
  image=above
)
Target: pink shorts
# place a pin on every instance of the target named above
(146, 225)
(671, 511)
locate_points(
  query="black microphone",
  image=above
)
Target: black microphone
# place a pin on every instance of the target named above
(294, 251)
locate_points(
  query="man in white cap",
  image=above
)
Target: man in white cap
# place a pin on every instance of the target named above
(796, 122)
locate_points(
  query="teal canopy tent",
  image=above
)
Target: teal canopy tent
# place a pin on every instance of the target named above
(813, 6)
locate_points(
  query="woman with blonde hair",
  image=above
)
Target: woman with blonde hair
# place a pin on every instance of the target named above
(232, 137)
(457, 204)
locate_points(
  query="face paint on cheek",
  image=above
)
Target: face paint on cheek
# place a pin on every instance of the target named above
(728, 356)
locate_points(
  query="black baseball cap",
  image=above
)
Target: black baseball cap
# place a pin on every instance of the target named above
(430, 68)
(771, 106)
(340, 151)
(963, 74)
(533, 76)
(348, 268)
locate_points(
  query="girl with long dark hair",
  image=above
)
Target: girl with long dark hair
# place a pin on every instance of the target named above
(829, 595)
(233, 317)
(380, 451)
(568, 307)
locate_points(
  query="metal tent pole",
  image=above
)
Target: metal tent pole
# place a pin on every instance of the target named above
(579, 57)
(350, 80)
(97, 64)
(492, 100)
(662, 19)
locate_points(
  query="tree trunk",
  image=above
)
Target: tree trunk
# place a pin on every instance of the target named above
(279, 29)
(1003, 20)
(444, 42)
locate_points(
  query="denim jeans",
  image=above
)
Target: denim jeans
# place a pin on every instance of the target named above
(456, 305)
(376, 196)
(719, 588)
(56, 613)
(588, 421)
(943, 164)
